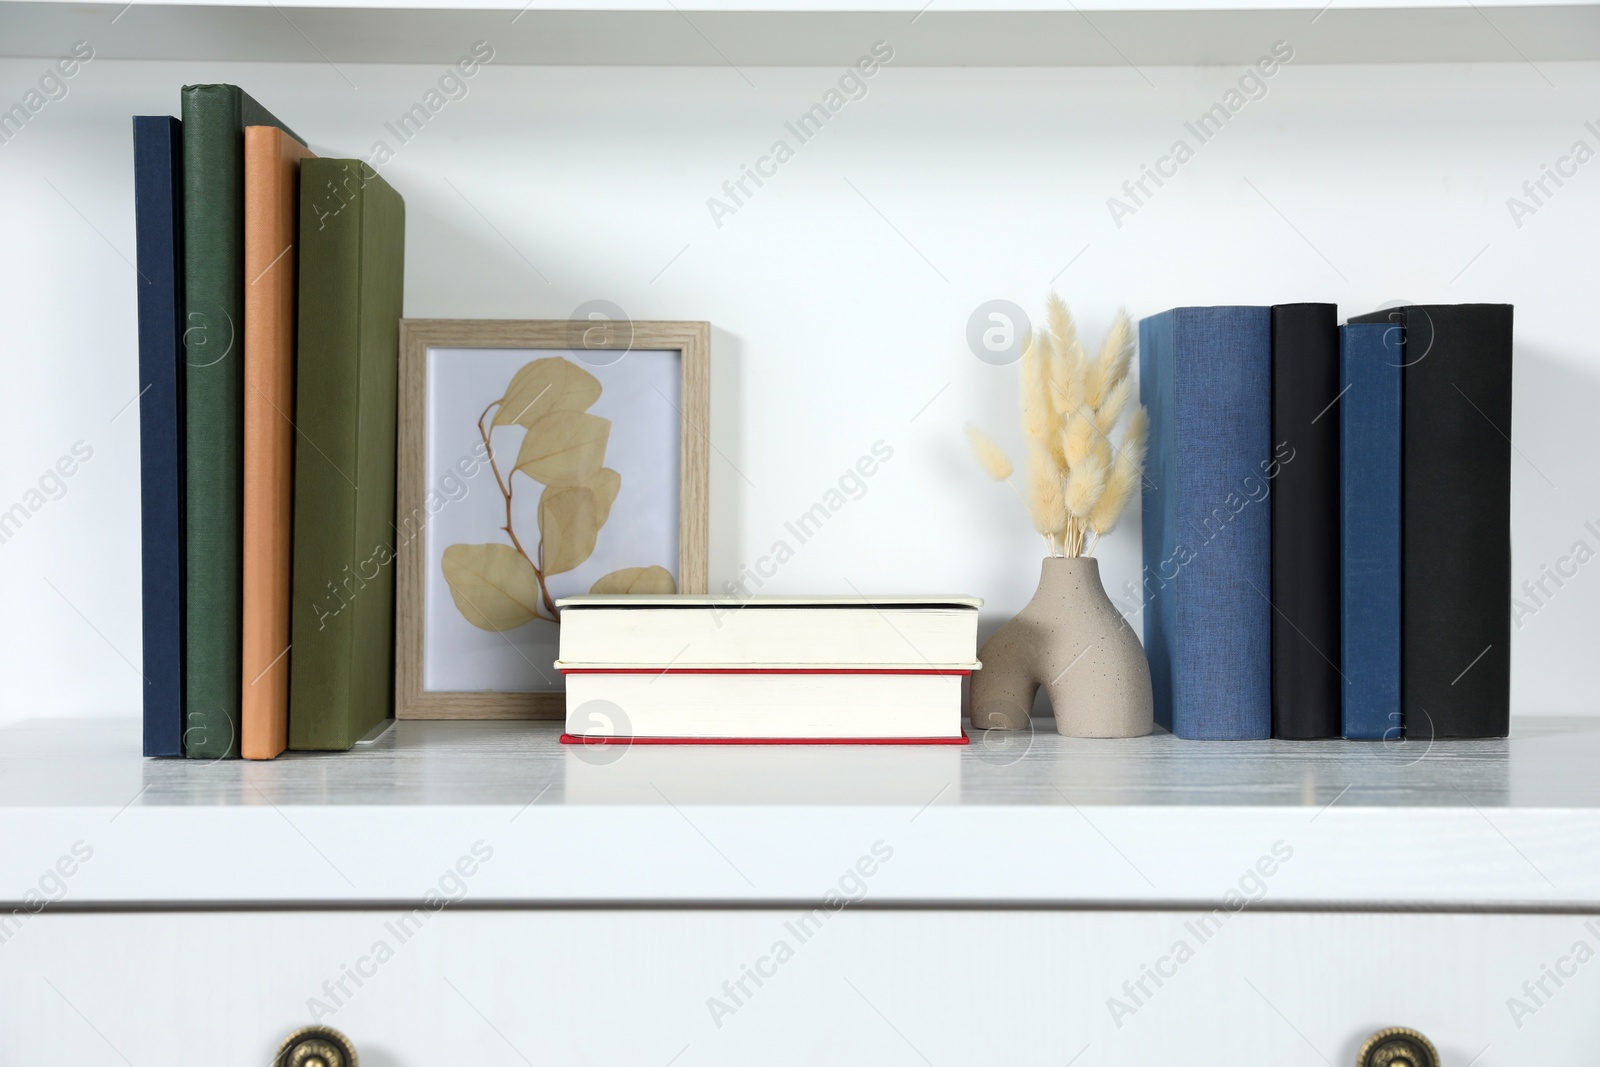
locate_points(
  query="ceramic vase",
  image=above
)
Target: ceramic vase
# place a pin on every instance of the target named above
(1073, 641)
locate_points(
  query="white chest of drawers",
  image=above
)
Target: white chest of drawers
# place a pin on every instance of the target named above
(476, 893)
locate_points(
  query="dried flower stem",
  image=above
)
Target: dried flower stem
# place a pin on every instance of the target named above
(504, 485)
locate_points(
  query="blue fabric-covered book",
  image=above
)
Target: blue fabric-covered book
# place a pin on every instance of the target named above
(1206, 378)
(158, 224)
(1370, 358)
(1455, 535)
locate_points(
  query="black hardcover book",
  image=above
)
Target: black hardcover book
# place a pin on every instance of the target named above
(1306, 694)
(1455, 554)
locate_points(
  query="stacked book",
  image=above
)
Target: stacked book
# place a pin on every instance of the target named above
(808, 669)
(1327, 521)
(269, 295)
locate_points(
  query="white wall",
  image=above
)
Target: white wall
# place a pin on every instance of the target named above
(839, 293)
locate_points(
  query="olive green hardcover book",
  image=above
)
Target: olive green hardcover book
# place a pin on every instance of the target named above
(214, 118)
(352, 252)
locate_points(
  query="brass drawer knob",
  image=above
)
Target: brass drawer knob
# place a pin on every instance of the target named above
(1398, 1046)
(316, 1046)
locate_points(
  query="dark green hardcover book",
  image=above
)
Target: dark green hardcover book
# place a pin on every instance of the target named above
(352, 257)
(214, 118)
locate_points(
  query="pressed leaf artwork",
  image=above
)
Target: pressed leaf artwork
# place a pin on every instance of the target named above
(564, 448)
(494, 586)
(567, 528)
(636, 580)
(500, 586)
(545, 386)
(604, 484)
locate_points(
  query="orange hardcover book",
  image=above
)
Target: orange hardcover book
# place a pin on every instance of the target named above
(271, 258)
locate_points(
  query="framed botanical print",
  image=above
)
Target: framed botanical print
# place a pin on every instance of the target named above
(537, 460)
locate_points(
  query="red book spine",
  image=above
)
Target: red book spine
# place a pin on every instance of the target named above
(603, 739)
(752, 670)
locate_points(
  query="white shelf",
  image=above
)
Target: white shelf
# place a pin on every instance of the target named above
(921, 8)
(1018, 33)
(1040, 822)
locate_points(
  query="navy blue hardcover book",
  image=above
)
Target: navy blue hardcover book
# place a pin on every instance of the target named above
(1370, 357)
(158, 222)
(1455, 536)
(1206, 378)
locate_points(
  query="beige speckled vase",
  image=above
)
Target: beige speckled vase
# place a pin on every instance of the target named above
(1071, 640)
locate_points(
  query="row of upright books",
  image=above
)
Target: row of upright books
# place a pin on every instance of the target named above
(1327, 547)
(269, 285)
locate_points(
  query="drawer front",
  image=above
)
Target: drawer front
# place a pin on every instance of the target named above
(788, 987)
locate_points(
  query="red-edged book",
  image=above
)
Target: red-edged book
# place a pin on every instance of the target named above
(766, 670)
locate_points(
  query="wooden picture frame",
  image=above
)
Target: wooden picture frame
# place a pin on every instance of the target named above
(692, 342)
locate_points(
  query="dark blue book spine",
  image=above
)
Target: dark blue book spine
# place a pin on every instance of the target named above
(158, 222)
(1206, 378)
(1370, 359)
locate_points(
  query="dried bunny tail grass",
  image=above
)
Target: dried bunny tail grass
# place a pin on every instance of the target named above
(1063, 326)
(1124, 478)
(991, 455)
(1067, 367)
(1066, 381)
(1108, 509)
(1068, 370)
(1055, 371)
(1138, 436)
(1085, 485)
(1111, 365)
(1045, 502)
(1038, 419)
(1110, 409)
(1078, 439)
